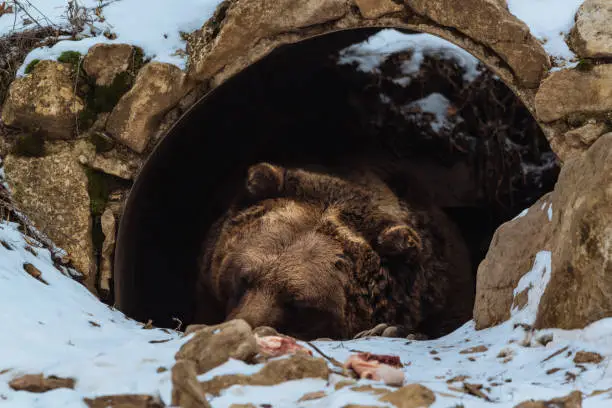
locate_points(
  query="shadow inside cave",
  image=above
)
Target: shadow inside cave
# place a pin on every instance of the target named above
(299, 106)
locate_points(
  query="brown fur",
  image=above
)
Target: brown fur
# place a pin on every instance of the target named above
(321, 254)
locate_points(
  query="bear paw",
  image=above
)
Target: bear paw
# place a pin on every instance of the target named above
(387, 330)
(264, 180)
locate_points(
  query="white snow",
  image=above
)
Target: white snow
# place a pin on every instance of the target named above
(372, 53)
(549, 212)
(521, 214)
(155, 28)
(534, 282)
(549, 21)
(434, 103)
(53, 329)
(46, 329)
(46, 12)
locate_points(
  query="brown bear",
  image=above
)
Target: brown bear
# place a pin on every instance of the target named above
(334, 253)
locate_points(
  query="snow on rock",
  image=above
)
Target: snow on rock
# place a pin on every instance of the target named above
(155, 27)
(550, 21)
(436, 104)
(372, 53)
(534, 284)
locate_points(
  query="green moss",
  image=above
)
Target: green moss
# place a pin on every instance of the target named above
(104, 98)
(102, 142)
(585, 64)
(87, 118)
(98, 187)
(29, 145)
(71, 57)
(138, 60)
(31, 66)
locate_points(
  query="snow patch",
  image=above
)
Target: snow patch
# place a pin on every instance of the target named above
(521, 214)
(534, 282)
(438, 105)
(372, 53)
(550, 21)
(549, 212)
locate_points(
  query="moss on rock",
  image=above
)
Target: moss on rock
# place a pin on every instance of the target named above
(71, 57)
(98, 188)
(31, 66)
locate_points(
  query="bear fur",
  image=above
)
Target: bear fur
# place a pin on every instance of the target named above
(334, 252)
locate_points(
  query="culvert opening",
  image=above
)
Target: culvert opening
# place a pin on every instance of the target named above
(448, 119)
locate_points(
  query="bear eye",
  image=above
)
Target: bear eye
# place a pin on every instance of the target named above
(342, 262)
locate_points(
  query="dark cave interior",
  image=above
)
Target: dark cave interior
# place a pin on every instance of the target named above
(299, 106)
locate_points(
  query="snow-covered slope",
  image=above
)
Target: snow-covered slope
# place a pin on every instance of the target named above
(154, 26)
(60, 329)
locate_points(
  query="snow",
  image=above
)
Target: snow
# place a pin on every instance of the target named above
(550, 21)
(521, 214)
(434, 103)
(549, 212)
(372, 53)
(47, 329)
(155, 28)
(62, 329)
(534, 282)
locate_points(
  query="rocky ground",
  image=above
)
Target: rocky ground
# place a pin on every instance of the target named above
(61, 347)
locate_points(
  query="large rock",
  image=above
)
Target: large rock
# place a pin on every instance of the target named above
(52, 192)
(246, 22)
(490, 23)
(45, 99)
(576, 229)
(575, 91)
(275, 372)
(591, 36)
(158, 87)
(104, 62)
(576, 141)
(411, 396)
(509, 257)
(38, 383)
(586, 135)
(214, 345)
(186, 391)
(122, 163)
(574, 400)
(580, 290)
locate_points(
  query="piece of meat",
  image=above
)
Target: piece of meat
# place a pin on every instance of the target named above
(276, 346)
(377, 368)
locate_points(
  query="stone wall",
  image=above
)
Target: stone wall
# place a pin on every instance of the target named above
(121, 105)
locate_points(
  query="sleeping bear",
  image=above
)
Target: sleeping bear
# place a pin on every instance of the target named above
(333, 253)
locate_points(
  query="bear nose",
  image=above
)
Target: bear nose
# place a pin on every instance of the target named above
(256, 308)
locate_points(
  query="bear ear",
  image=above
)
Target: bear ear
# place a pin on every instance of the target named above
(265, 180)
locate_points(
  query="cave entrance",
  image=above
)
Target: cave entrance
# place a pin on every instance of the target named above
(357, 92)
